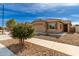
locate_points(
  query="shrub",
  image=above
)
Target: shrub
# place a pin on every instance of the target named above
(22, 32)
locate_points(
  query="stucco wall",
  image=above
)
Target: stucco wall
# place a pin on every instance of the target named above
(77, 29)
(39, 27)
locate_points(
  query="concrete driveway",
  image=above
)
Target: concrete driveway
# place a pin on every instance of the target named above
(64, 48)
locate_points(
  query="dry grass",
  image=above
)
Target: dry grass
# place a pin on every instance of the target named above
(30, 49)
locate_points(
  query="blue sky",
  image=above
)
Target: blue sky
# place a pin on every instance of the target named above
(27, 12)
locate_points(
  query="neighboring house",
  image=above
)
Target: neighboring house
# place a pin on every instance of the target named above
(76, 28)
(52, 26)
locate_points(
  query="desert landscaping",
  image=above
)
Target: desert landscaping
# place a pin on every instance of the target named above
(68, 38)
(30, 49)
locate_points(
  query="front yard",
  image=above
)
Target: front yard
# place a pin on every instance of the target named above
(30, 49)
(72, 39)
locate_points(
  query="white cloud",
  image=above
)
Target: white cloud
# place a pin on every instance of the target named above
(4, 20)
(74, 23)
(75, 15)
(44, 17)
(61, 11)
(59, 4)
(40, 7)
(64, 18)
(71, 4)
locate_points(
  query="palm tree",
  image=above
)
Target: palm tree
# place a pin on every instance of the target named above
(21, 32)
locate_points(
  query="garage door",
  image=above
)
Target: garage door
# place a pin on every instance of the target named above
(40, 28)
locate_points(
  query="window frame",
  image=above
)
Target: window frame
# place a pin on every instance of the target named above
(54, 25)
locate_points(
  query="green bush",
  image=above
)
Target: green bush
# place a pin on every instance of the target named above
(10, 24)
(22, 32)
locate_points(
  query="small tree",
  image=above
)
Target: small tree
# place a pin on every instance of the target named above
(10, 24)
(22, 32)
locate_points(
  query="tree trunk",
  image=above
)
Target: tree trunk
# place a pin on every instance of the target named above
(21, 42)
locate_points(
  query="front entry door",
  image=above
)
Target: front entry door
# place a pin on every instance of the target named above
(65, 28)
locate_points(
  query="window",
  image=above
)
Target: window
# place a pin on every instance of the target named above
(52, 26)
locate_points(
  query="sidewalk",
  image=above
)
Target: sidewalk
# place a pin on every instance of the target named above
(5, 51)
(64, 48)
(5, 37)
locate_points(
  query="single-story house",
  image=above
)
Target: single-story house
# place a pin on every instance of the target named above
(52, 25)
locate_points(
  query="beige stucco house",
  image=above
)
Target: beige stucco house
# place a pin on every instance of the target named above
(52, 26)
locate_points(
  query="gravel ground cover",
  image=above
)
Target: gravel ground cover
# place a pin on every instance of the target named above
(69, 38)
